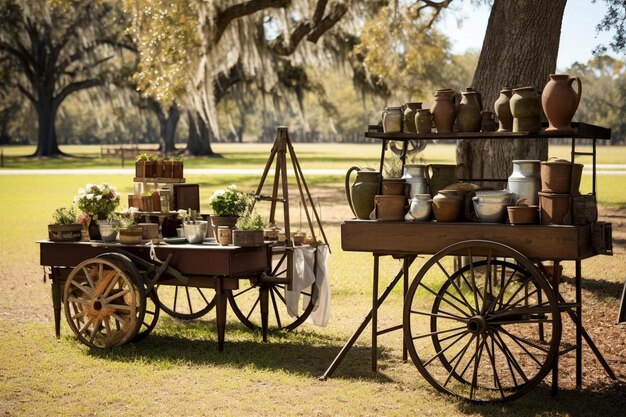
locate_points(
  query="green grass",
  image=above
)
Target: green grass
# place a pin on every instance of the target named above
(177, 370)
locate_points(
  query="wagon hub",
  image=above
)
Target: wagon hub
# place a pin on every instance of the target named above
(97, 305)
(477, 324)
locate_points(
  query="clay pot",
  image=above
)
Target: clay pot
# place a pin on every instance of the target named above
(502, 109)
(554, 208)
(424, 121)
(361, 194)
(389, 207)
(468, 113)
(444, 110)
(526, 110)
(395, 186)
(523, 214)
(392, 119)
(228, 221)
(560, 101)
(447, 206)
(488, 122)
(555, 176)
(410, 112)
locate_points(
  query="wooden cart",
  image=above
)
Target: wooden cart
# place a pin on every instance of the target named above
(482, 316)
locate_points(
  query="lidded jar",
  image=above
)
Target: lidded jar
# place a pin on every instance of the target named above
(392, 119)
(525, 181)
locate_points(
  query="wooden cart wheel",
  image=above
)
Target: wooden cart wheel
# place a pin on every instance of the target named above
(151, 315)
(185, 303)
(104, 305)
(246, 301)
(488, 331)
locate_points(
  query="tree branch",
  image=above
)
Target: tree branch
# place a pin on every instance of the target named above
(75, 86)
(226, 16)
(336, 13)
(27, 93)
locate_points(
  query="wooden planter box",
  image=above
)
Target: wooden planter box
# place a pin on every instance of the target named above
(168, 169)
(140, 169)
(159, 169)
(177, 169)
(131, 236)
(247, 238)
(65, 232)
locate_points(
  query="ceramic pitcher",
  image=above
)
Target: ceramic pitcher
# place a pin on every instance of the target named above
(440, 176)
(444, 110)
(560, 101)
(361, 194)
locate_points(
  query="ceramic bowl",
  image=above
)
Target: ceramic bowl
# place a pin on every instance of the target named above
(195, 232)
(490, 211)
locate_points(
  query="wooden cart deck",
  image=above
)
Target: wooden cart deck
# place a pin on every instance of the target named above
(537, 242)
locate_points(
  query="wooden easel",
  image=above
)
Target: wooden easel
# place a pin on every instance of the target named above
(282, 145)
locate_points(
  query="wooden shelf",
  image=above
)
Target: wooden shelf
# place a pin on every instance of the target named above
(160, 180)
(580, 131)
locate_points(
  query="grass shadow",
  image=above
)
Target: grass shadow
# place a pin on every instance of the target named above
(301, 352)
(600, 287)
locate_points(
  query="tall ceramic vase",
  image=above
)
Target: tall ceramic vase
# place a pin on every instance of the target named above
(526, 110)
(502, 110)
(444, 110)
(361, 193)
(468, 113)
(560, 101)
(410, 112)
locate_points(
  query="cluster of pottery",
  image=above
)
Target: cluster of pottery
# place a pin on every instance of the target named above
(517, 110)
(535, 189)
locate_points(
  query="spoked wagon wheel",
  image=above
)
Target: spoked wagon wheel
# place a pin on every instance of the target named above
(247, 301)
(104, 305)
(183, 302)
(152, 309)
(488, 331)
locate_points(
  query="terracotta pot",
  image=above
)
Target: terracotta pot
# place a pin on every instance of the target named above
(361, 194)
(395, 186)
(554, 208)
(447, 206)
(555, 176)
(410, 112)
(444, 110)
(560, 101)
(523, 214)
(468, 113)
(389, 207)
(526, 110)
(502, 109)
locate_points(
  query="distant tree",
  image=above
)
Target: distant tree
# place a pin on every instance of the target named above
(613, 20)
(57, 48)
(602, 102)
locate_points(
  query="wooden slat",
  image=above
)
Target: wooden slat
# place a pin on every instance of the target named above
(534, 241)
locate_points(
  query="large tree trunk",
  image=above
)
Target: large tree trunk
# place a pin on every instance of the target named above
(199, 142)
(167, 124)
(520, 49)
(47, 144)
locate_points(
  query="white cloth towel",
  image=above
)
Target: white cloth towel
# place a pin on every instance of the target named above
(306, 274)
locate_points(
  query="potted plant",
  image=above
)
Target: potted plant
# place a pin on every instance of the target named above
(391, 204)
(167, 167)
(97, 202)
(140, 165)
(109, 228)
(249, 230)
(177, 167)
(159, 167)
(64, 226)
(227, 206)
(393, 183)
(194, 230)
(130, 232)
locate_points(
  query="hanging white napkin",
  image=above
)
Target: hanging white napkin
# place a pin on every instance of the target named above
(305, 275)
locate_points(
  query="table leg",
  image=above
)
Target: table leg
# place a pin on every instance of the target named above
(264, 304)
(579, 325)
(556, 277)
(375, 315)
(405, 272)
(220, 312)
(56, 304)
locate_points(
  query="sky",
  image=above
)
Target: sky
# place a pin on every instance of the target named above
(578, 34)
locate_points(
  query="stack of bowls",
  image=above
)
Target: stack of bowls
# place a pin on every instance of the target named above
(490, 205)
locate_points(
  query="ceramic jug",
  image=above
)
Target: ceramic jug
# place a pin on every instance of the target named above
(502, 109)
(560, 101)
(409, 116)
(525, 181)
(526, 110)
(361, 194)
(415, 176)
(424, 121)
(447, 206)
(420, 208)
(444, 110)
(392, 119)
(488, 123)
(468, 113)
(439, 176)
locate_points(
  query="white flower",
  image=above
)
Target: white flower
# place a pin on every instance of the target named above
(89, 196)
(98, 197)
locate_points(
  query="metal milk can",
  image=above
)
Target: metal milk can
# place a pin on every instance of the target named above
(415, 176)
(525, 181)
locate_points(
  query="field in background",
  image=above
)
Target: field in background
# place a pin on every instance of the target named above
(177, 369)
